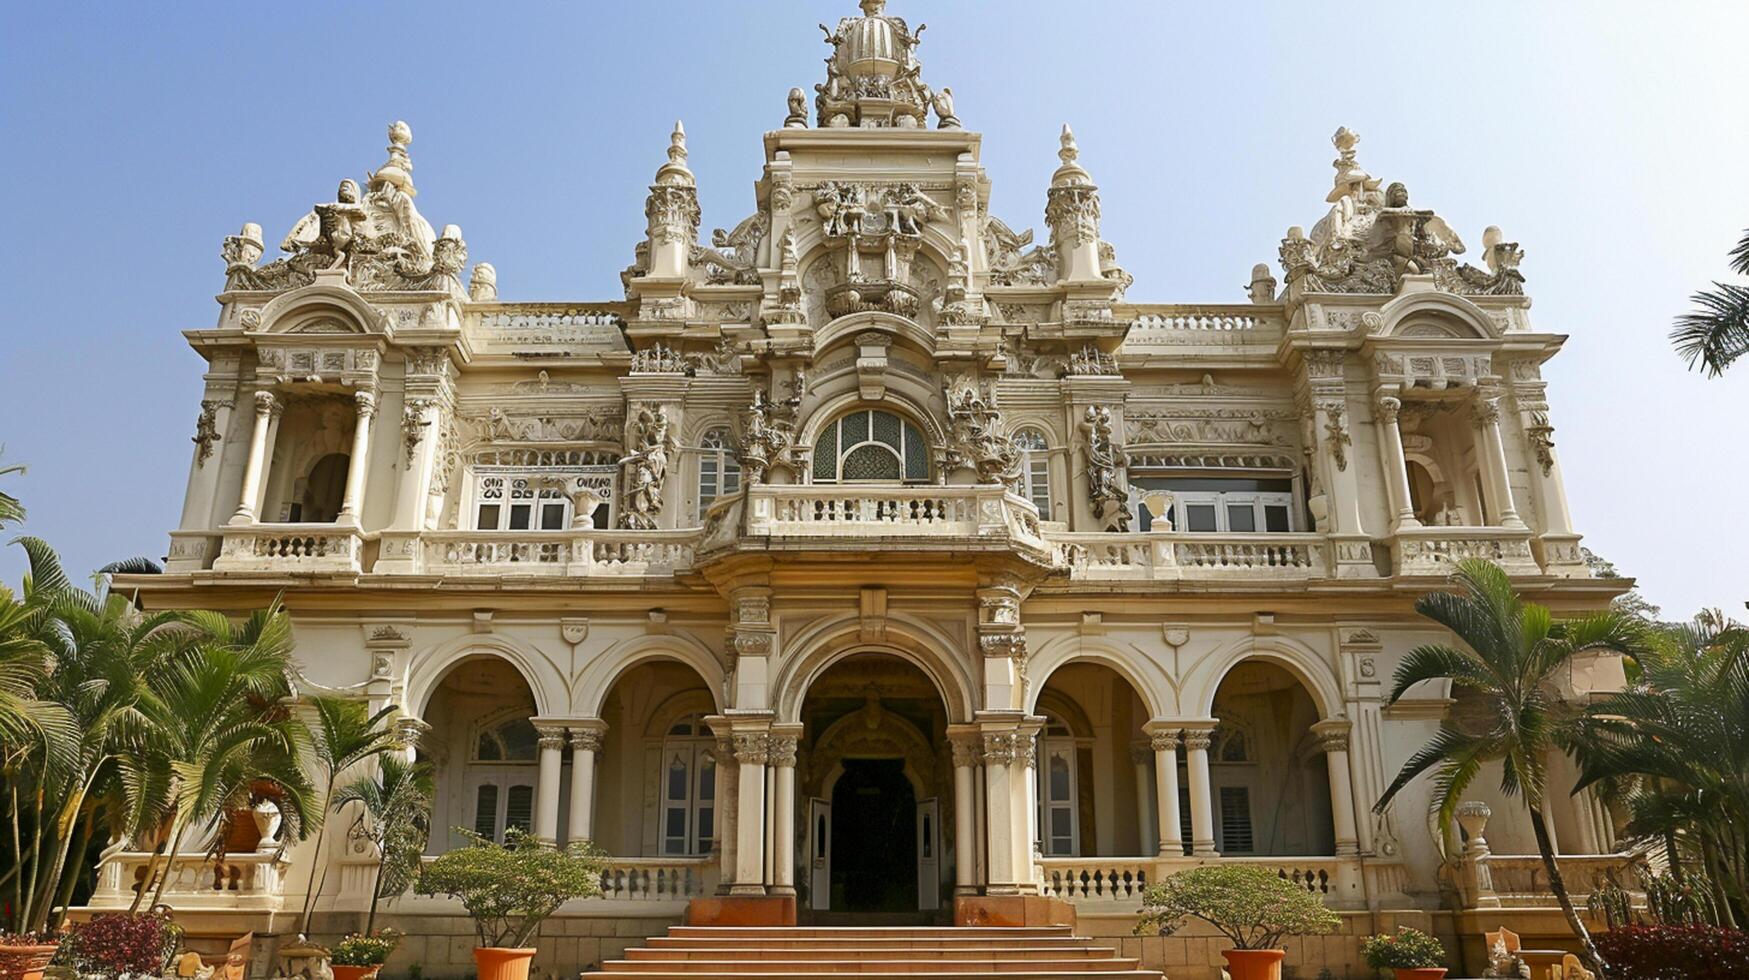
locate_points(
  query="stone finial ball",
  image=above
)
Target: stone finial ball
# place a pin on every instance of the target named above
(400, 133)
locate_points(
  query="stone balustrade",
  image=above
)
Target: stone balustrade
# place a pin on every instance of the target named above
(251, 881)
(1096, 879)
(1183, 555)
(1437, 550)
(328, 548)
(584, 552)
(511, 327)
(910, 517)
(658, 879)
(1522, 880)
(1201, 324)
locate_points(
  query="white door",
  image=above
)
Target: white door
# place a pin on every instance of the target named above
(1058, 818)
(820, 855)
(928, 855)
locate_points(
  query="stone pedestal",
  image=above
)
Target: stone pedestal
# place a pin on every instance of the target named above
(1012, 911)
(742, 910)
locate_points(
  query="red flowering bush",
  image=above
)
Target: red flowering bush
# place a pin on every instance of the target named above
(111, 945)
(1675, 953)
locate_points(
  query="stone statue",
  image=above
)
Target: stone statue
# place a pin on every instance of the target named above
(769, 430)
(977, 427)
(798, 110)
(944, 117)
(483, 284)
(645, 470)
(1105, 486)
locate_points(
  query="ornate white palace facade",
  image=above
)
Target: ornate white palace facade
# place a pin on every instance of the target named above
(878, 559)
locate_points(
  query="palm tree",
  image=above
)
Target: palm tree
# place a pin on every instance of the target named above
(395, 815)
(1506, 672)
(1674, 746)
(10, 508)
(1717, 333)
(222, 721)
(344, 735)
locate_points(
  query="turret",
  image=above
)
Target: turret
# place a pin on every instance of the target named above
(1072, 212)
(672, 210)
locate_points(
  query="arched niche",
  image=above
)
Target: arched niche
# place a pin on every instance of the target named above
(824, 644)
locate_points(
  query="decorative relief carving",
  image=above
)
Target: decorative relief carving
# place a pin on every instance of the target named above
(769, 429)
(1336, 431)
(413, 425)
(1106, 489)
(206, 430)
(979, 440)
(1542, 439)
(646, 468)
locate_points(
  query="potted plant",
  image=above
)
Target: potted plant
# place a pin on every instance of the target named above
(1413, 954)
(1253, 907)
(25, 954)
(359, 956)
(510, 890)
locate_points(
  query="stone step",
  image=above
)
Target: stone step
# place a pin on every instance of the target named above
(829, 973)
(866, 932)
(969, 951)
(859, 964)
(838, 942)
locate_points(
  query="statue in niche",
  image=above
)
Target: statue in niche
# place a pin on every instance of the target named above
(977, 429)
(645, 470)
(1105, 485)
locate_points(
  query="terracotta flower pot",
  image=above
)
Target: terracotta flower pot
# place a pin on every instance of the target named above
(1403, 973)
(498, 963)
(1247, 964)
(25, 962)
(354, 972)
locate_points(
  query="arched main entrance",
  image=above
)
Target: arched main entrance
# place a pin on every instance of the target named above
(874, 778)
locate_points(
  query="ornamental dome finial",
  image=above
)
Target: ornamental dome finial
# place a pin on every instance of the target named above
(1070, 173)
(675, 171)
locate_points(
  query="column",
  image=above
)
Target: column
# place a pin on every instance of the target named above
(1332, 735)
(965, 831)
(1202, 809)
(727, 818)
(1165, 744)
(1143, 761)
(358, 465)
(999, 749)
(783, 815)
(257, 460)
(1385, 411)
(1486, 412)
(546, 790)
(751, 752)
(1026, 771)
(586, 741)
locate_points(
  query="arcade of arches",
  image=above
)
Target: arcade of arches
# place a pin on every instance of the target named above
(877, 800)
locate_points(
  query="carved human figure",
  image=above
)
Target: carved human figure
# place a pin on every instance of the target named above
(645, 470)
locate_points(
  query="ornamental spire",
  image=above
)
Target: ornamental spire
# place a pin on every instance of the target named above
(873, 78)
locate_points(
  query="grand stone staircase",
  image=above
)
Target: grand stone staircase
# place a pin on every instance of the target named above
(746, 952)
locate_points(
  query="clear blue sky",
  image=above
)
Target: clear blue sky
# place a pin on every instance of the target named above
(1607, 138)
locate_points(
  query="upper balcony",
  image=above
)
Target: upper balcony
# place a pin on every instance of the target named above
(850, 520)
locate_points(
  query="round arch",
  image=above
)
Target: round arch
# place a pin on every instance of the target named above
(1140, 671)
(1300, 661)
(846, 328)
(608, 666)
(897, 398)
(538, 672)
(913, 642)
(286, 311)
(1397, 313)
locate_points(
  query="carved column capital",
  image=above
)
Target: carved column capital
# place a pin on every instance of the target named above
(1002, 748)
(1198, 739)
(1332, 735)
(752, 748)
(589, 739)
(409, 731)
(552, 737)
(967, 750)
(264, 402)
(366, 402)
(1165, 740)
(1386, 408)
(1485, 410)
(780, 749)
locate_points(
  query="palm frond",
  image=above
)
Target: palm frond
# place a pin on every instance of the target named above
(1715, 334)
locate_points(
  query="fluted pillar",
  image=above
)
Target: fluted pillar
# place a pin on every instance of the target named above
(246, 498)
(358, 465)
(1202, 806)
(586, 741)
(966, 846)
(1165, 744)
(546, 790)
(1385, 411)
(1332, 735)
(751, 752)
(1486, 412)
(782, 759)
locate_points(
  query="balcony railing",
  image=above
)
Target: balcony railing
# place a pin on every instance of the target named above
(1184, 555)
(587, 552)
(910, 518)
(249, 881)
(290, 548)
(1436, 550)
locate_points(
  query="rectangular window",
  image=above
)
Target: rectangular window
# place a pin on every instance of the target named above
(519, 516)
(486, 811)
(552, 516)
(707, 480)
(1236, 820)
(1201, 517)
(519, 807)
(488, 517)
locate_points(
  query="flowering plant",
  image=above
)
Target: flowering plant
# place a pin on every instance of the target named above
(125, 942)
(1698, 952)
(362, 950)
(1409, 949)
(510, 889)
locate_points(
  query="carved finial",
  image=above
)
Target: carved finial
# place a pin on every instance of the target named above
(1070, 172)
(1069, 152)
(677, 144)
(873, 8)
(1349, 177)
(483, 286)
(399, 169)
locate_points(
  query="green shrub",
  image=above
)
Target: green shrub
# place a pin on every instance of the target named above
(510, 890)
(1252, 906)
(1409, 949)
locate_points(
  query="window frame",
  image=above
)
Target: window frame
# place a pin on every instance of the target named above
(908, 430)
(696, 753)
(1035, 467)
(719, 467)
(1258, 501)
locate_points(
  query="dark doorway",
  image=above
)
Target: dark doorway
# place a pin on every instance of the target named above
(874, 838)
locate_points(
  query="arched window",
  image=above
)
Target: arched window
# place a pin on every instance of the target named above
(689, 787)
(321, 493)
(501, 776)
(1035, 469)
(871, 446)
(719, 471)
